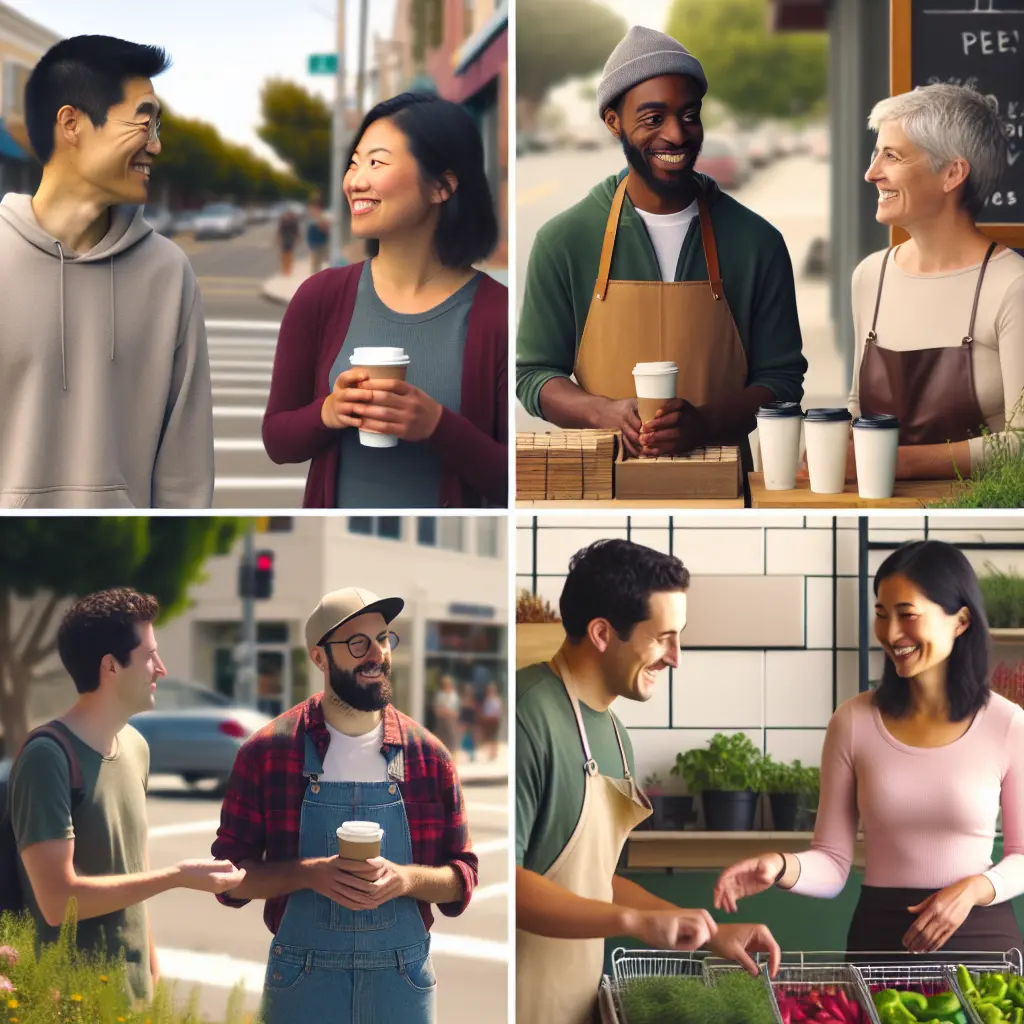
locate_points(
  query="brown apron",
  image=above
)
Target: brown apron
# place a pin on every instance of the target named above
(688, 322)
(930, 390)
(557, 979)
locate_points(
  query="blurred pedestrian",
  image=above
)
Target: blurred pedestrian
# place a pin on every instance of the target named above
(446, 712)
(416, 185)
(468, 722)
(287, 236)
(941, 345)
(680, 245)
(318, 231)
(490, 721)
(105, 394)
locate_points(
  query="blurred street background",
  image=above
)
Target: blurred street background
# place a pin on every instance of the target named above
(236, 595)
(771, 118)
(248, 124)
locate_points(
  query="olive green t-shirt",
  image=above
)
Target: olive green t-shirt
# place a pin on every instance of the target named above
(108, 827)
(550, 781)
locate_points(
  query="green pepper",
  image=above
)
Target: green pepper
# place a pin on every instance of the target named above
(989, 1014)
(942, 1005)
(965, 981)
(957, 1018)
(992, 988)
(916, 1003)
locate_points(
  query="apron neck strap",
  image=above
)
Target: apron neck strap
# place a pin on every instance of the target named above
(872, 334)
(559, 667)
(611, 229)
(977, 294)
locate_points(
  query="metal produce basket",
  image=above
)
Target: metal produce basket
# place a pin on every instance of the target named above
(936, 974)
(806, 972)
(633, 964)
(977, 963)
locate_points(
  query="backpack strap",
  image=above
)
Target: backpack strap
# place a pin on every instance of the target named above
(64, 741)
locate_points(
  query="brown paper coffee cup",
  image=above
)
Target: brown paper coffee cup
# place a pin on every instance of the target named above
(384, 372)
(358, 851)
(648, 407)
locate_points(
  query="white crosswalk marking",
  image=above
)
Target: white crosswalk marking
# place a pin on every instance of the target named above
(241, 361)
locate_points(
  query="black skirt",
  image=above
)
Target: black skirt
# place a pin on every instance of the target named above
(882, 919)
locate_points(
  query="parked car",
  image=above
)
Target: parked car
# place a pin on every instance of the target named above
(185, 220)
(219, 220)
(160, 218)
(195, 732)
(720, 159)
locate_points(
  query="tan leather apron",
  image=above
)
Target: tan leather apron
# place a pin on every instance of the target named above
(688, 322)
(557, 979)
(929, 390)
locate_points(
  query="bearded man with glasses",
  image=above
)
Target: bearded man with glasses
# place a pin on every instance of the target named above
(105, 395)
(351, 938)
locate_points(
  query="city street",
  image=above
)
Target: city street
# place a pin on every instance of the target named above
(793, 194)
(242, 330)
(205, 946)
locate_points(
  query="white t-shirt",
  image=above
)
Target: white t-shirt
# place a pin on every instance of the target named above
(355, 758)
(667, 231)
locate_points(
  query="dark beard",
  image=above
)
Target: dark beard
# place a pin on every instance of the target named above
(353, 694)
(681, 188)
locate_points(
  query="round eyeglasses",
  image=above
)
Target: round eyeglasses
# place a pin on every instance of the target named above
(359, 643)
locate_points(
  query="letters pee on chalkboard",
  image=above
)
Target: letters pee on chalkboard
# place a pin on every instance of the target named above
(980, 44)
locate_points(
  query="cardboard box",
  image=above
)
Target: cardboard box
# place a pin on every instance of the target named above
(704, 473)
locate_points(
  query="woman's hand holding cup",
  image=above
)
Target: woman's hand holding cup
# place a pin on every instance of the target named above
(344, 405)
(746, 878)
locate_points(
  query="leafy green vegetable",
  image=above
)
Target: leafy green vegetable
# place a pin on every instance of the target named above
(737, 998)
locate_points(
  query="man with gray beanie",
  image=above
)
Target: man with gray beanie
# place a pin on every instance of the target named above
(656, 263)
(345, 766)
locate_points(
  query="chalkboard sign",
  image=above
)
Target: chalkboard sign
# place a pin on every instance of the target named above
(980, 44)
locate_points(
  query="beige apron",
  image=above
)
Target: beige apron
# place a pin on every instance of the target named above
(557, 979)
(688, 322)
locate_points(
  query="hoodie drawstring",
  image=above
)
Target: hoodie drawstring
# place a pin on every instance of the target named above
(112, 331)
(63, 357)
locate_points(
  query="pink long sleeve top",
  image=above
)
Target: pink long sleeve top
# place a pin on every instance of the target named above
(929, 814)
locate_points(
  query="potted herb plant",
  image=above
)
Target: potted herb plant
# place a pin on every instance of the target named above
(809, 783)
(997, 481)
(782, 784)
(727, 775)
(670, 811)
(1003, 593)
(539, 631)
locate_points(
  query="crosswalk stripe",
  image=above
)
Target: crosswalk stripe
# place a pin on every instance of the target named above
(243, 325)
(242, 378)
(242, 364)
(239, 392)
(254, 483)
(237, 444)
(239, 411)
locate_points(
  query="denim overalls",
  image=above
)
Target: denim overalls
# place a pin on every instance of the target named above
(328, 963)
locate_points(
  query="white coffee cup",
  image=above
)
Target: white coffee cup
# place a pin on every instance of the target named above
(827, 437)
(655, 384)
(359, 840)
(778, 432)
(876, 442)
(381, 364)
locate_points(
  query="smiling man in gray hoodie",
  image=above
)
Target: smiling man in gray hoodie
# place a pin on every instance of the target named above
(105, 398)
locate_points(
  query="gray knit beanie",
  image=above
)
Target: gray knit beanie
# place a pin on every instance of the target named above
(642, 55)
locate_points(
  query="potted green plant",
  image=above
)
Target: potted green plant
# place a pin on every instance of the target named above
(1003, 593)
(997, 481)
(670, 811)
(782, 784)
(539, 631)
(809, 782)
(727, 775)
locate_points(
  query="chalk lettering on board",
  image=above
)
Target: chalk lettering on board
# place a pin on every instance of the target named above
(980, 7)
(1002, 199)
(987, 42)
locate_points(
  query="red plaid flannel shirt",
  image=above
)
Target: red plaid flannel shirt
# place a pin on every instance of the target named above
(260, 816)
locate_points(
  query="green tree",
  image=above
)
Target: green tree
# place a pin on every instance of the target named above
(748, 68)
(558, 41)
(46, 561)
(297, 127)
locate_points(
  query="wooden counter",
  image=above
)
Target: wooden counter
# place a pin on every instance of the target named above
(650, 850)
(635, 503)
(907, 494)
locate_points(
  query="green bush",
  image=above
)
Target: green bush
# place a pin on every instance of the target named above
(729, 763)
(1003, 593)
(999, 481)
(777, 777)
(64, 984)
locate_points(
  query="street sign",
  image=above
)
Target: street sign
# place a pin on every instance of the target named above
(323, 63)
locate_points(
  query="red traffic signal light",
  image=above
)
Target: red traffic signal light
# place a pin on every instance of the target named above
(265, 561)
(263, 578)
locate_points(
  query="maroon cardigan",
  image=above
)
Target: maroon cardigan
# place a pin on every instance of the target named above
(473, 443)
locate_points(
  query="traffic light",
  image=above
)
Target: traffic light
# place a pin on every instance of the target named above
(256, 579)
(263, 580)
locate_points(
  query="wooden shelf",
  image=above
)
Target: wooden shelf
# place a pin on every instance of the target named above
(635, 503)
(696, 851)
(1007, 636)
(907, 494)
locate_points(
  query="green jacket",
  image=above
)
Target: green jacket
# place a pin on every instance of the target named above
(757, 276)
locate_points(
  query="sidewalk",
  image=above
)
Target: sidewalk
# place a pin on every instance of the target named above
(481, 772)
(281, 289)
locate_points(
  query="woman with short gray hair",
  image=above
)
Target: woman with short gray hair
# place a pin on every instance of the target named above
(939, 319)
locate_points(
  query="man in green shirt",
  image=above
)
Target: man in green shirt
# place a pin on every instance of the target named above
(603, 286)
(623, 608)
(94, 849)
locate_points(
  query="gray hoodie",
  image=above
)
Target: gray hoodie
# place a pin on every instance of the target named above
(105, 397)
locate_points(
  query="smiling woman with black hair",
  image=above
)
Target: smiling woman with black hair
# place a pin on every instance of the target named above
(417, 190)
(925, 762)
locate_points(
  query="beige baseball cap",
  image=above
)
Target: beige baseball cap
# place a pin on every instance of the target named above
(341, 605)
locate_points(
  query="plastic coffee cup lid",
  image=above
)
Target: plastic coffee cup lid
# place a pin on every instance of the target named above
(379, 357)
(827, 415)
(879, 421)
(653, 369)
(779, 410)
(360, 831)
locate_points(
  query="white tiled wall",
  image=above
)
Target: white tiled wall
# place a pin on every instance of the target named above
(760, 652)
